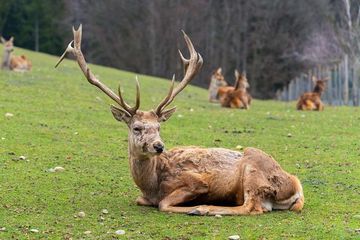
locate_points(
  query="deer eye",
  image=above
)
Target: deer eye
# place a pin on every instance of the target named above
(137, 129)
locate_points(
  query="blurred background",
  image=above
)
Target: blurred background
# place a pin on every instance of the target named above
(274, 41)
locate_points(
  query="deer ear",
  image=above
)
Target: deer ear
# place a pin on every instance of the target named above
(120, 114)
(3, 40)
(219, 70)
(236, 74)
(314, 79)
(165, 115)
(11, 39)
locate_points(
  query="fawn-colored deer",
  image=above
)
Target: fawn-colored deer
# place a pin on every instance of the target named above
(14, 63)
(312, 100)
(181, 178)
(237, 96)
(217, 85)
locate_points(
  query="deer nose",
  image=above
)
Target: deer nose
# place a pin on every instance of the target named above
(159, 147)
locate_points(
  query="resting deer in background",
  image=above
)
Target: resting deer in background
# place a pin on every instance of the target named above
(237, 96)
(217, 82)
(178, 179)
(14, 63)
(312, 100)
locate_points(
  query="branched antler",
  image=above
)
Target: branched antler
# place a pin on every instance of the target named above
(191, 68)
(76, 50)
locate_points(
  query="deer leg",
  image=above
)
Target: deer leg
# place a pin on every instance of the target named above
(141, 201)
(168, 204)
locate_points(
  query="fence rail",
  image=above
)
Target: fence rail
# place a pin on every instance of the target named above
(343, 86)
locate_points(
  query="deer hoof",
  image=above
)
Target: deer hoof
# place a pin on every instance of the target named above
(194, 212)
(200, 211)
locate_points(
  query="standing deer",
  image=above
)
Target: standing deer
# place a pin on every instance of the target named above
(14, 63)
(312, 100)
(237, 96)
(179, 179)
(217, 82)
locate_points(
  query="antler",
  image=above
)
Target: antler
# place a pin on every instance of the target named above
(76, 50)
(191, 68)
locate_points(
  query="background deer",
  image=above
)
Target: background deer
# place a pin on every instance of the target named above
(251, 183)
(237, 96)
(217, 82)
(14, 63)
(312, 100)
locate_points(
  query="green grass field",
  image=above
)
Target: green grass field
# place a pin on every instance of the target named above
(60, 120)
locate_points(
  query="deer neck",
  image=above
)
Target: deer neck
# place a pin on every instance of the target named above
(144, 170)
(318, 90)
(6, 60)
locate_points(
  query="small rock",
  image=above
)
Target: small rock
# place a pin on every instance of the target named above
(234, 237)
(105, 211)
(357, 230)
(2, 138)
(357, 216)
(22, 158)
(59, 169)
(180, 115)
(120, 232)
(218, 216)
(191, 109)
(2, 229)
(239, 147)
(76, 133)
(51, 170)
(9, 115)
(34, 230)
(87, 232)
(81, 214)
(102, 218)
(289, 135)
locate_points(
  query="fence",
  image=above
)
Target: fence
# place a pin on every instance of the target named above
(343, 86)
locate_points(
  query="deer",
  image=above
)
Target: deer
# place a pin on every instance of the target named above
(217, 82)
(13, 63)
(312, 100)
(237, 96)
(193, 180)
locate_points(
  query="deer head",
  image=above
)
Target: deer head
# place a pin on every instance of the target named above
(241, 81)
(144, 126)
(320, 84)
(219, 77)
(8, 45)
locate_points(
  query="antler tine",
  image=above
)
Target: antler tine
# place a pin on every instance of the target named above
(68, 49)
(191, 66)
(127, 107)
(166, 99)
(76, 50)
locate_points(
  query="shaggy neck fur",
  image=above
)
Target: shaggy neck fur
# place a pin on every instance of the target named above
(144, 171)
(6, 60)
(318, 89)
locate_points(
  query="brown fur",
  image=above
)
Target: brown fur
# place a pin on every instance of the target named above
(312, 100)
(14, 63)
(237, 96)
(178, 180)
(217, 82)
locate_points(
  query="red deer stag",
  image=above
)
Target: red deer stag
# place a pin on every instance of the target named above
(14, 63)
(312, 100)
(237, 96)
(217, 85)
(179, 179)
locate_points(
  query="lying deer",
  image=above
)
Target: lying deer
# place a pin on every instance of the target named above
(14, 63)
(176, 180)
(237, 96)
(217, 83)
(312, 100)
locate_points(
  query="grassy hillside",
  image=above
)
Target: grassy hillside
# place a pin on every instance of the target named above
(60, 120)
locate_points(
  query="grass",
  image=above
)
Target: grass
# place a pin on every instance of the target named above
(60, 120)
